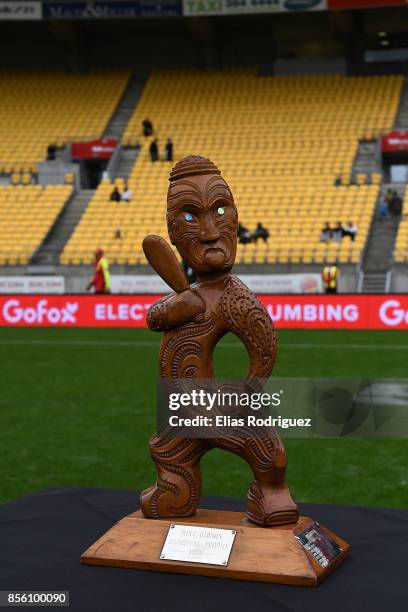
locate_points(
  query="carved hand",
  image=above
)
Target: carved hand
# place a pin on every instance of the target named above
(175, 310)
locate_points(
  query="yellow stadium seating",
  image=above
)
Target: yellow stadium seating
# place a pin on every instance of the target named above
(26, 215)
(401, 243)
(280, 142)
(38, 109)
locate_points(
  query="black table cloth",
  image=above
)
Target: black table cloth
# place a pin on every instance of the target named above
(43, 535)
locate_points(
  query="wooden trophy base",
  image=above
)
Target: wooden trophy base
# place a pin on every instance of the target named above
(272, 554)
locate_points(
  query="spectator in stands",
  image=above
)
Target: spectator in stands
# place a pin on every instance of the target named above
(395, 204)
(382, 209)
(326, 233)
(168, 150)
(337, 232)
(118, 232)
(127, 194)
(260, 232)
(338, 182)
(241, 230)
(350, 230)
(388, 197)
(399, 203)
(246, 238)
(244, 235)
(147, 127)
(330, 276)
(154, 150)
(101, 279)
(51, 152)
(115, 195)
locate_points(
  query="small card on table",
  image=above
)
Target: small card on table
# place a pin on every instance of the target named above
(319, 543)
(198, 544)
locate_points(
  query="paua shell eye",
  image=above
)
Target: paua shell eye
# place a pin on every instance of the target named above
(220, 210)
(188, 216)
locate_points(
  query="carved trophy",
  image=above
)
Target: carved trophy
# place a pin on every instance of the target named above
(272, 543)
(202, 222)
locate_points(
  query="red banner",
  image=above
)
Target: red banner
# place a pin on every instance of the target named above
(394, 142)
(101, 148)
(287, 311)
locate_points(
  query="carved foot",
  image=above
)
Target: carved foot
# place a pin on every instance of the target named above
(176, 493)
(269, 506)
(178, 486)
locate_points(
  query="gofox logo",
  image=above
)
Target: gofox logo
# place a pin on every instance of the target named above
(392, 314)
(13, 312)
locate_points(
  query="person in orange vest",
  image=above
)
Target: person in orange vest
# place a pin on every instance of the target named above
(330, 277)
(101, 279)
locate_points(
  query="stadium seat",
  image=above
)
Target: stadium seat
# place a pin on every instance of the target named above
(26, 215)
(43, 108)
(280, 142)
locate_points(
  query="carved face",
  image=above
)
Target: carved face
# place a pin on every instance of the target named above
(202, 221)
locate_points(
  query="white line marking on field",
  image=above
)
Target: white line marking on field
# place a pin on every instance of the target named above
(151, 343)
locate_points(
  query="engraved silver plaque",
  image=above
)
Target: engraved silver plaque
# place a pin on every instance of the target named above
(198, 544)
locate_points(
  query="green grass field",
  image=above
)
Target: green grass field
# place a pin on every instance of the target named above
(78, 407)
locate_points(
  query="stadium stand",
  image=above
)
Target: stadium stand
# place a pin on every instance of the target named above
(280, 142)
(26, 215)
(98, 226)
(39, 109)
(401, 243)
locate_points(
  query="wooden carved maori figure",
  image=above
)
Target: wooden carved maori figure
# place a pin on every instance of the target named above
(202, 223)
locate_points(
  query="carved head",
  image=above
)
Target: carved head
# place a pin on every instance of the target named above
(202, 218)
